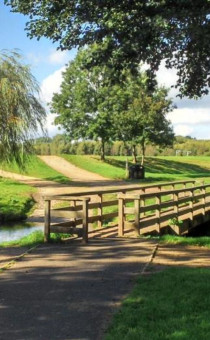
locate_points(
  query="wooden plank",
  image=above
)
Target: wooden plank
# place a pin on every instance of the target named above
(121, 217)
(66, 213)
(110, 215)
(137, 216)
(119, 189)
(92, 219)
(129, 210)
(149, 208)
(109, 203)
(158, 202)
(66, 230)
(85, 222)
(47, 221)
(67, 197)
(64, 224)
(100, 210)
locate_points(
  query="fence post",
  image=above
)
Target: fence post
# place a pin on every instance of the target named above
(47, 221)
(85, 220)
(176, 206)
(121, 216)
(137, 215)
(100, 210)
(191, 203)
(158, 202)
(204, 200)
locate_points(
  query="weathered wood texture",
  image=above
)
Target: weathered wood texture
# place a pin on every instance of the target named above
(178, 209)
(85, 208)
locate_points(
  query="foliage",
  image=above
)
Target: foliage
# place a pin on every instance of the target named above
(182, 146)
(140, 114)
(91, 106)
(82, 103)
(21, 113)
(171, 304)
(37, 168)
(16, 200)
(130, 32)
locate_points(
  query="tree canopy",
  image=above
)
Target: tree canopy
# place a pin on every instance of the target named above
(89, 106)
(130, 32)
(140, 114)
(21, 113)
(82, 106)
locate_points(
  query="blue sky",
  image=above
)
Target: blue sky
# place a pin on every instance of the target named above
(190, 118)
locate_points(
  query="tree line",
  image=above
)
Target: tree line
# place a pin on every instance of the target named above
(60, 144)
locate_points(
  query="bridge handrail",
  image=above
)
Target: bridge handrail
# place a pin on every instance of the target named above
(161, 193)
(120, 189)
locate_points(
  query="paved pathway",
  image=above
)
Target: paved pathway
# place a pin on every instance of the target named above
(69, 292)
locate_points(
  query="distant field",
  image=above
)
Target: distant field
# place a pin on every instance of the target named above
(35, 167)
(157, 168)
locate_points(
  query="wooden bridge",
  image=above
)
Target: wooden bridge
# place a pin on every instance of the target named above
(167, 207)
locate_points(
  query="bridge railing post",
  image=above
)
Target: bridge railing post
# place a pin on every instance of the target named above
(47, 221)
(100, 210)
(157, 213)
(121, 216)
(204, 200)
(191, 204)
(85, 220)
(137, 215)
(176, 205)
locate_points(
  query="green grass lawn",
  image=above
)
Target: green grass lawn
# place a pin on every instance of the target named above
(35, 167)
(33, 239)
(173, 304)
(157, 168)
(15, 200)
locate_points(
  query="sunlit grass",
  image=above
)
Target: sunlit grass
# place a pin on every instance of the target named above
(35, 167)
(33, 239)
(16, 200)
(171, 304)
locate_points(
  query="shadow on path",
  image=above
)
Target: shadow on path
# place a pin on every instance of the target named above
(69, 291)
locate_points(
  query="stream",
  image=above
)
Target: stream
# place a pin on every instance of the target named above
(14, 231)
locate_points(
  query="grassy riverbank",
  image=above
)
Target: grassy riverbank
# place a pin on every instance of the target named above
(16, 200)
(35, 167)
(33, 239)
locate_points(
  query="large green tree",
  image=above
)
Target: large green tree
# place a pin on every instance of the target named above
(129, 32)
(140, 115)
(21, 114)
(82, 105)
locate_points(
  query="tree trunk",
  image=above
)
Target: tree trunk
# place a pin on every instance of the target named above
(102, 150)
(134, 154)
(143, 147)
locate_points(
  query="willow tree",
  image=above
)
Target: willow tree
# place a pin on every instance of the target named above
(21, 113)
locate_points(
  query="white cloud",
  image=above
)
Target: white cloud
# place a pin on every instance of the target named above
(51, 85)
(190, 116)
(183, 130)
(52, 129)
(58, 57)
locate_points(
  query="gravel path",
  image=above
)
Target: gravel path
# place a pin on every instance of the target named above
(73, 172)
